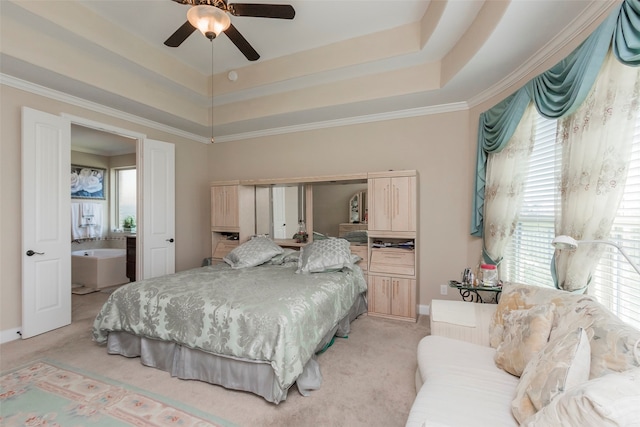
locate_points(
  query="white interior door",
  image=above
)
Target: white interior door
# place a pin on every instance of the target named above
(46, 225)
(158, 194)
(279, 219)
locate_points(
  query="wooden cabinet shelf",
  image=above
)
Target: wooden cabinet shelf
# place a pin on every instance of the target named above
(392, 297)
(390, 214)
(224, 207)
(232, 217)
(393, 261)
(392, 203)
(393, 271)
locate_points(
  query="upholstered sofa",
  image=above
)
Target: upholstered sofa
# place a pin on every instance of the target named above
(540, 357)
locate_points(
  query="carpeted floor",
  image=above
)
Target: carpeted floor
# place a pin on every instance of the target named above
(368, 377)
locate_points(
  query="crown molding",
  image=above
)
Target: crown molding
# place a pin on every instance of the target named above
(93, 106)
(568, 34)
(370, 118)
(89, 105)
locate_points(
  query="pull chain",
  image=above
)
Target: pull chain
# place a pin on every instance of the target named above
(211, 41)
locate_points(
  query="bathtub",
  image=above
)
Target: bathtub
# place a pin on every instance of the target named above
(98, 268)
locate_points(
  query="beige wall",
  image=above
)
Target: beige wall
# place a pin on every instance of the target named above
(121, 161)
(440, 147)
(192, 193)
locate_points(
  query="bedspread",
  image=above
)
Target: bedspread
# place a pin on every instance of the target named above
(266, 313)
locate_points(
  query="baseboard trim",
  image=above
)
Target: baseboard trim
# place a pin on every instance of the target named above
(9, 335)
(424, 309)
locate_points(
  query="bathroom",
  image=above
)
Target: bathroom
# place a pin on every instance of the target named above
(103, 202)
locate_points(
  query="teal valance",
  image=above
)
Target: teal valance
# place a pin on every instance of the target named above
(556, 92)
(494, 131)
(626, 37)
(561, 89)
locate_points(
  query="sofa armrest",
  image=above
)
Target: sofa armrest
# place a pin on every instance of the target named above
(461, 320)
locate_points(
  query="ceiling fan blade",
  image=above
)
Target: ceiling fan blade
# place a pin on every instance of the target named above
(180, 35)
(241, 43)
(281, 11)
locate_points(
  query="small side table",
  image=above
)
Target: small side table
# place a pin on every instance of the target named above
(470, 293)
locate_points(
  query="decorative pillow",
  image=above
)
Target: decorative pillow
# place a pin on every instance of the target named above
(611, 400)
(563, 363)
(525, 333)
(254, 252)
(325, 255)
(287, 255)
(509, 300)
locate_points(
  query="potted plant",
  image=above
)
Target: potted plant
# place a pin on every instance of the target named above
(129, 223)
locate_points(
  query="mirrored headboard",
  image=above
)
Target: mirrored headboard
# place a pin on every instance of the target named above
(279, 208)
(323, 205)
(332, 205)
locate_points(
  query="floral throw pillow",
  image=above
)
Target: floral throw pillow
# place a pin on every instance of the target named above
(254, 252)
(525, 333)
(563, 363)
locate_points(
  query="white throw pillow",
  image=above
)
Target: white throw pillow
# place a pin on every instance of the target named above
(254, 252)
(325, 255)
(563, 363)
(610, 400)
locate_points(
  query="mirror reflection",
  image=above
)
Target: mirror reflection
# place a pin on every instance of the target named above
(333, 205)
(278, 210)
(280, 207)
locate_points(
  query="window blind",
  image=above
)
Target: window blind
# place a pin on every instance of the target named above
(527, 258)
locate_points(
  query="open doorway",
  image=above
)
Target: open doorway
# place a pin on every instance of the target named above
(46, 211)
(103, 210)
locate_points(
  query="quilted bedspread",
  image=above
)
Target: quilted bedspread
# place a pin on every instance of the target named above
(266, 313)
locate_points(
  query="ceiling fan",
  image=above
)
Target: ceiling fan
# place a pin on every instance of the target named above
(211, 17)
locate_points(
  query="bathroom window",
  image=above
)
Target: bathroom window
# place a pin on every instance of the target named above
(125, 195)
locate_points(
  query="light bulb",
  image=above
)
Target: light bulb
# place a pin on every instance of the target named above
(210, 20)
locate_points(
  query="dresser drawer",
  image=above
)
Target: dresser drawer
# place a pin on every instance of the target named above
(361, 251)
(392, 260)
(224, 247)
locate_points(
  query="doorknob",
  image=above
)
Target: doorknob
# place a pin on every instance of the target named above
(32, 253)
(170, 240)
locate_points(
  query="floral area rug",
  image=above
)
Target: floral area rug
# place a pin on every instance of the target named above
(44, 394)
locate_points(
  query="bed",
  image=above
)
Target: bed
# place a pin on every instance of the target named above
(254, 323)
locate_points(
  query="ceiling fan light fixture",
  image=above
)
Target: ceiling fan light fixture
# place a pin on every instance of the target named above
(210, 20)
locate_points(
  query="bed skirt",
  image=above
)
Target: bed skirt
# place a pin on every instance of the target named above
(234, 373)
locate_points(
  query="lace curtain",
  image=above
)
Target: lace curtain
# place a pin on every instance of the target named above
(506, 175)
(596, 147)
(556, 92)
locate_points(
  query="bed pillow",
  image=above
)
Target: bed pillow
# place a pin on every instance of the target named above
(563, 363)
(331, 254)
(287, 255)
(525, 333)
(254, 252)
